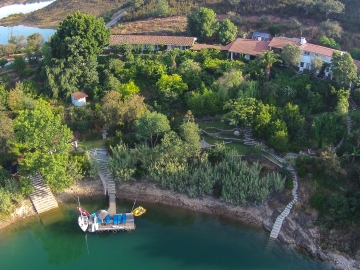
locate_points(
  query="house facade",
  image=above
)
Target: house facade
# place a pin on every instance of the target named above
(157, 42)
(247, 48)
(78, 98)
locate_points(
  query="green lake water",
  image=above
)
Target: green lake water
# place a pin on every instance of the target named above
(165, 238)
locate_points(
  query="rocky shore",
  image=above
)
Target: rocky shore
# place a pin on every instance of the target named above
(298, 229)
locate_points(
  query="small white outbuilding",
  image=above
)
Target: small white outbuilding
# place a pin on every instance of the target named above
(78, 98)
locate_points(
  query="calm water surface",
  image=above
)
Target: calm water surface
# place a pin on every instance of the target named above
(165, 238)
(7, 32)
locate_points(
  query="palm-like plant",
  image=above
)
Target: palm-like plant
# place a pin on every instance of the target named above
(173, 54)
(268, 59)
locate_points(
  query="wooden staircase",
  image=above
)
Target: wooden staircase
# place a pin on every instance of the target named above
(42, 198)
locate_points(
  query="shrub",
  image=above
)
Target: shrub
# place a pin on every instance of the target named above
(6, 205)
(318, 201)
(357, 95)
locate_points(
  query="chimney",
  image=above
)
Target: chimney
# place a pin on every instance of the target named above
(302, 40)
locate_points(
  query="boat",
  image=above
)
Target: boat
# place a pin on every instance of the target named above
(138, 211)
(102, 221)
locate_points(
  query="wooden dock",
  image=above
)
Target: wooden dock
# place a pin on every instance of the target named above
(101, 157)
(42, 197)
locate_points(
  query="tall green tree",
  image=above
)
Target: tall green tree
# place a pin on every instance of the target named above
(43, 140)
(151, 126)
(241, 111)
(162, 8)
(74, 73)
(202, 23)
(268, 59)
(170, 87)
(291, 54)
(92, 32)
(227, 31)
(6, 131)
(343, 68)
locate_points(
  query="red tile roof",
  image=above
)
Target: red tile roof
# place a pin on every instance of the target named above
(280, 42)
(142, 39)
(78, 95)
(248, 46)
(317, 49)
(198, 47)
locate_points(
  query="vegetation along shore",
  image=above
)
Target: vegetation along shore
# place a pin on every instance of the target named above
(260, 130)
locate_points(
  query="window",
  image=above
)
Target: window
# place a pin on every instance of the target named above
(307, 66)
(156, 47)
(302, 64)
(306, 53)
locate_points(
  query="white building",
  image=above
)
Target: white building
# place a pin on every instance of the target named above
(78, 98)
(309, 51)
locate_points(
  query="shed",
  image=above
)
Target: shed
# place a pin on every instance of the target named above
(78, 98)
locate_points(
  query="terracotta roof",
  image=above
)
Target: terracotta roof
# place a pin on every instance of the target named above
(198, 47)
(357, 64)
(78, 95)
(280, 42)
(318, 49)
(248, 46)
(142, 39)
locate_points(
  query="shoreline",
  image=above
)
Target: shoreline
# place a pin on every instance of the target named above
(260, 217)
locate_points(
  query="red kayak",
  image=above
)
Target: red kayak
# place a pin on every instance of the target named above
(82, 211)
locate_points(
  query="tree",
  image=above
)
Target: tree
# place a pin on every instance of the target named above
(18, 41)
(150, 126)
(331, 29)
(19, 65)
(190, 71)
(170, 87)
(6, 131)
(331, 6)
(329, 42)
(316, 64)
(329, 163)
(8, 49)
(355, 54)
(190, 133)
(227, 32)
(162, 8)
(173, 54)
(115, 111)
(43, 140)
(343, 67)
(67, 75)
(241, 110)
(92, 32)
(291, 54)
(202, 23)
(274, 30)
(128, 89)
(342, 106)
(35, 42)
(268, 59)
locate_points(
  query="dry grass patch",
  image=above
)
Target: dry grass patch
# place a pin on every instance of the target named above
(159, 26)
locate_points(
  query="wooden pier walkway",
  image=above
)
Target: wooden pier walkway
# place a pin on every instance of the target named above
(101, 157)
(42, 198)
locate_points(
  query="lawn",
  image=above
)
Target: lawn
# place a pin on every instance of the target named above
(217, 124)
(87, 145)
(240, 147)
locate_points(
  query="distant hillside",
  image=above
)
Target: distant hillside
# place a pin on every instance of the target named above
(53, 14)
(13, 2)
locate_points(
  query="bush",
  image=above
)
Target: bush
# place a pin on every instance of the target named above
(6, 205)
(26, 186)
(318, 201)
(302, 171)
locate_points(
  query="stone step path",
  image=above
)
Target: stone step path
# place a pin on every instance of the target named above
(42, 197)
(280, 219)
(100, 155)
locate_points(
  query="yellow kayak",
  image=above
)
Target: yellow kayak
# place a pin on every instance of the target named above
(138, 211)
